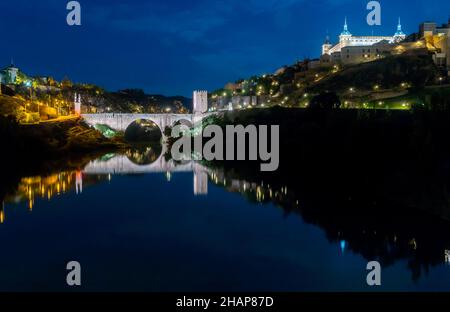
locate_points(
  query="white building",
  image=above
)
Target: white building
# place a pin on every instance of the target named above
(9, 74)
(355, 49)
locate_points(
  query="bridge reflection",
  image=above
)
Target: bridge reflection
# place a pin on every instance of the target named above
(97, 171)
(122, 165)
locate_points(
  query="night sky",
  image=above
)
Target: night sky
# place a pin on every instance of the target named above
(174, 46)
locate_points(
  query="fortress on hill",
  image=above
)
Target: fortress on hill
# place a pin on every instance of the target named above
(356, 49)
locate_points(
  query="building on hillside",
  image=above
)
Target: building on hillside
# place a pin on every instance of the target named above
(357, 49)
(231, 86)
(9, 74)
(437, 40)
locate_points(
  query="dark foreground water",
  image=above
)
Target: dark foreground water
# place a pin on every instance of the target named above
(139, 228)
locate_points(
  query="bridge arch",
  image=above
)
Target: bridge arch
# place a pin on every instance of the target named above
(145, 155)
(138, 130)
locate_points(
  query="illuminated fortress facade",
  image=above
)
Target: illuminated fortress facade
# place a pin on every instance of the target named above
(356, 49)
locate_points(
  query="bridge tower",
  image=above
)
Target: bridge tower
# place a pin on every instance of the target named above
(77, 104)
(200, 102)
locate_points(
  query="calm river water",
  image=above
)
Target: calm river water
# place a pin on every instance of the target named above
(186, 227)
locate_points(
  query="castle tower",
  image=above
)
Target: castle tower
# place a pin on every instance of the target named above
(200, 102)
(326, 46)
(399, 35)
(345, 35)
(77, 104)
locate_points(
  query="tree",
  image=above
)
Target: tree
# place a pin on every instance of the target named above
(167, 131)
(325, 100)
(66, 83)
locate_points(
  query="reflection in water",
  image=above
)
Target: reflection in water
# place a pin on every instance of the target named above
(387, 235)
(2, 213)
(48, 187)
(144, 155)
(148, 159)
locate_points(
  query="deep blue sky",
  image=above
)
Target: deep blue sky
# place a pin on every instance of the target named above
(174, 46)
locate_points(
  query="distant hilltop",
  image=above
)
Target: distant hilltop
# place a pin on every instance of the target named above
(364, 71)
(46, 91)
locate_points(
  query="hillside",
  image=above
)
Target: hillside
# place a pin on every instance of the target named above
(387, 73)
(60, 95)
(393, 82)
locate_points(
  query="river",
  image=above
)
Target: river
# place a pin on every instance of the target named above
(140, 223)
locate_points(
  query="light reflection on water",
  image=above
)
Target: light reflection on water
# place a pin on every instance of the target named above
(160, 225)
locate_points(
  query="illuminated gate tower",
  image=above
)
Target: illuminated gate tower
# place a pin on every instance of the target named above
(200, 102)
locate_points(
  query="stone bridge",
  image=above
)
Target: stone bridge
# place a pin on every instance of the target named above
(121, 122)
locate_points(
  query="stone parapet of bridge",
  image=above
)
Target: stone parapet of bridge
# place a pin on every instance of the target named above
(120, 122)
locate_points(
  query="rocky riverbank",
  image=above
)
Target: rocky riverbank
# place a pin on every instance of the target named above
(46, 141)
